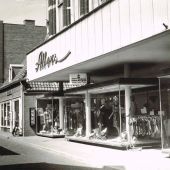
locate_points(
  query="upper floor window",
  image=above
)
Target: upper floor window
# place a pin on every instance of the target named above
(66, 12)
(96, 3)
(84, 7)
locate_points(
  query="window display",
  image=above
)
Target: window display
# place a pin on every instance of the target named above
(48, 116)
(75, 117)
(164, 113)
(105, 117)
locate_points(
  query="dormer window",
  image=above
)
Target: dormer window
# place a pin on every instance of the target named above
(13, 70)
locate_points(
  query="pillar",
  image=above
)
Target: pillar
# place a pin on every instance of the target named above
(127, 99)
(127, 109)
(61, 113)
(88, 113)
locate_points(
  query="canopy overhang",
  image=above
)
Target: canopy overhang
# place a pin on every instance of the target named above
(155, 49)
(113, 85)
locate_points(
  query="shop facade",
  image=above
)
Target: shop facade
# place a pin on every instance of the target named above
(31, 107)
(11, 109)
(105, 45)
(107, 121)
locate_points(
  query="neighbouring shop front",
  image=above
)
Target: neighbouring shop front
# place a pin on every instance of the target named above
(49, 121)
(123, 112)
(11, 110)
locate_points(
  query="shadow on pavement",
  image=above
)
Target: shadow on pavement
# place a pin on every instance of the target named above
(4, 152)
(46, 166)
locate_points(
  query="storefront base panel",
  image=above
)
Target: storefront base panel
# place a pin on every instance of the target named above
(114, 144)
(5, 129)
(51, 135)
(166, 151)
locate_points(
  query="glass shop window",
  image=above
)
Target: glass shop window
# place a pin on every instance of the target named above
(48, 116)
(105, 117)
(74, 117)
(5, 114)
(165, 113)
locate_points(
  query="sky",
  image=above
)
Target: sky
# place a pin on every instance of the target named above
(16, 11)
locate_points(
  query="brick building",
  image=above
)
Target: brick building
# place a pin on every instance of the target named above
(15, 41)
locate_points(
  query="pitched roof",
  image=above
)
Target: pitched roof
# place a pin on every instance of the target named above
(19, 77)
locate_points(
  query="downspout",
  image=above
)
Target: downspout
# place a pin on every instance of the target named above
(22, 108)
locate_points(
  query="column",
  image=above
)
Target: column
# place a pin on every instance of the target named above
(127, 109)
(61, 113)
(127, 99)
(88, 113)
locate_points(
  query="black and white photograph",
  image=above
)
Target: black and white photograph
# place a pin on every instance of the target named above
(84, 84)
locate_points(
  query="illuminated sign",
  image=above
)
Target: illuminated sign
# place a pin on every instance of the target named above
(45, 61)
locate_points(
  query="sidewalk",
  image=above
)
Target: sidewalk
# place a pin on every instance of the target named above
(151, 159)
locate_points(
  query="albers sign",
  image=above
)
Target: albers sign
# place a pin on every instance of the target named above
(46, 61)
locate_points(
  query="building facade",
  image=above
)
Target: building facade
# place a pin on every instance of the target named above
(15, 41)
(118, 48)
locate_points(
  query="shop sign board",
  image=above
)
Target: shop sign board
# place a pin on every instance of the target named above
(78, 78)
(8, 93)
(47, 61)
(32, 116)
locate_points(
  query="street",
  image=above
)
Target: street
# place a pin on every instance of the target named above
(22, 156)
(46, 153)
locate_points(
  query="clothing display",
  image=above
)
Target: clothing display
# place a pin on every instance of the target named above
(146, 126)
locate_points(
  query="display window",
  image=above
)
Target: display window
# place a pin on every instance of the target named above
(125, 112)
(144, 117)
(164, 95)
(105, 116)
(5, 114)
(74, 117)
(48, 117)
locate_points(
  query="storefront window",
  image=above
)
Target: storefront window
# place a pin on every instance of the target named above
(165, 114)
(126, 112)
(2, 115)
(105, 116)
(74, 117)
(48, 116)
(8, 114)
(5, 114)
(144, 119)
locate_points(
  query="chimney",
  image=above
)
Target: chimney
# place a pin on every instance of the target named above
(29, 22)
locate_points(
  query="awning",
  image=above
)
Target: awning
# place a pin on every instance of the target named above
(155, 49)
(42, 86)
(114, 85)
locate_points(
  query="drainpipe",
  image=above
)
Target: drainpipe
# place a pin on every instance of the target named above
(22, 108)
